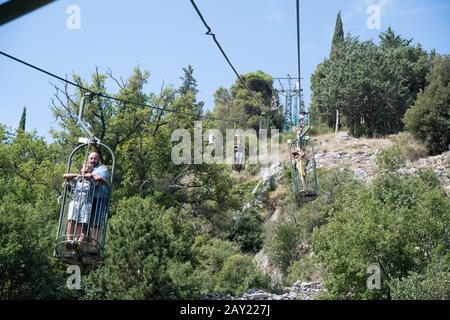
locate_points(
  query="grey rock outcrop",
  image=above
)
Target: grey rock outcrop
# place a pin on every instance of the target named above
(299, 291)
(271, 177)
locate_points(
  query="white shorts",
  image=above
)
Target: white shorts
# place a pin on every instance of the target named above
(79, 211)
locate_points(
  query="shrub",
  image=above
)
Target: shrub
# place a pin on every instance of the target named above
(391, 159)
(149, 253)
(252, 169)
(434, 284)
(238, 274)
(210, 256)
(409, 146)
(246, 230)
(304, 269)
(289, 237)
(284, 246)
(319, 129)
(28, 270)
(243, 192)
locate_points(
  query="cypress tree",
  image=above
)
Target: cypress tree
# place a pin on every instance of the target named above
(338, 36)
(23, 119)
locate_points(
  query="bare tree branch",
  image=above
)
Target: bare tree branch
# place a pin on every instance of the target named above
(110, 74)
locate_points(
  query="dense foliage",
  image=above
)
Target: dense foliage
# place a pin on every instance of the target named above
(237, 103)
(186, 231)
(167, 221)
(400, 225)
(369, 86)
(429, 118)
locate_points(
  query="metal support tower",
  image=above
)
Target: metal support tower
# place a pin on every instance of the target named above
(288, 88)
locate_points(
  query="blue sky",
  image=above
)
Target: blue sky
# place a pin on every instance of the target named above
(163, 36)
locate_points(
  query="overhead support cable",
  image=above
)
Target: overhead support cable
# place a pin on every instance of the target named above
(99, 94)
(209, 33)
(298, 56)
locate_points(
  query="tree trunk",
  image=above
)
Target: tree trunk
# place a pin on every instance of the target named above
(337, 121)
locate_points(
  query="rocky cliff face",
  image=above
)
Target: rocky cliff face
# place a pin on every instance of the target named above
(439, 164)
(359, 156)
(299, 291)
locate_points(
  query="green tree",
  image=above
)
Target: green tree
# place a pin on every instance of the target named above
(242, 105)
(158, 253)
(429, 118)
(141, 140)
(399, 224)
(146, 245)
(189, 82)
(338, 37)
(23, 119)
(390, 40)
(210, 255)
(177, 203)
(27, 270)
(402, 75)
(293, 231)
(285, 244)
(370, 87)
(30, 178)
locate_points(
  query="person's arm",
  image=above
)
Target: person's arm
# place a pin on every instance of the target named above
(101, 175)
(98, 179)
(69, 176)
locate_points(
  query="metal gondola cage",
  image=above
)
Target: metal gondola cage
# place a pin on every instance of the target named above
(85, 205)
(239, 154)
(303, 165)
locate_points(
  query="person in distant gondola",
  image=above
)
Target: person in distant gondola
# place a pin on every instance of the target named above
(239, 152)
(80, 207)
(301, 162)
(100, 175)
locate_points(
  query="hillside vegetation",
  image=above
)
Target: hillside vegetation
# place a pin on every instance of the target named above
(197, 231)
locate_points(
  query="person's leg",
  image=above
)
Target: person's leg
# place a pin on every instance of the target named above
(70, 229)
(71, 221)
(94, 240)
(95, 220)
(302, 176)
(71, 234)
(81, 231)
(95, 236)
(97, 230)
(85, 214)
